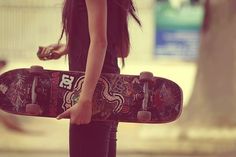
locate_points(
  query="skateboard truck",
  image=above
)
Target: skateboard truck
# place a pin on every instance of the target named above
(34, 108)
(144, 115)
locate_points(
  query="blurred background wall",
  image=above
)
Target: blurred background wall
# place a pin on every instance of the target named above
(26, 24)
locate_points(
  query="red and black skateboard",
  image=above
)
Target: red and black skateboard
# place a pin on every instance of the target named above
(124, 98)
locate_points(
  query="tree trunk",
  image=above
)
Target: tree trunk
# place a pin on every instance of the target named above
(212, 103)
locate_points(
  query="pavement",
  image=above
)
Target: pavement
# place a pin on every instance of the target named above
(49, 137)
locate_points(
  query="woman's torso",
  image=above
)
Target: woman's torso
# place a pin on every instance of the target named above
(79, 46)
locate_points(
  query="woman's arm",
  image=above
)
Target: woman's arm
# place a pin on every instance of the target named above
(97, 19)
(81, 112)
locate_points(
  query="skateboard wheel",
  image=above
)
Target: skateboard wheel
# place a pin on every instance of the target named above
(33, 109)
(144, 116)
(146, 76)
(35, 69)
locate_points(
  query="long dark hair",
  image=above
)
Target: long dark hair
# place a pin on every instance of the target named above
(126, 8)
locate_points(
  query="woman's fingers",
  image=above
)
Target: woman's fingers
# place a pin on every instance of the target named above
(55, 54)
(42, 53)
(50, 52)
(65, 114)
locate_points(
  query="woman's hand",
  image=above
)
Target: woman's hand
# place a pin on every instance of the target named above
(80, 113)
(53, 51)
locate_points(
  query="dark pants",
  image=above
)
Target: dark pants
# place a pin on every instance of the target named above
(97, 139)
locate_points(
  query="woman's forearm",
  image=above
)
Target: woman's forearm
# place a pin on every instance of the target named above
(95, 61)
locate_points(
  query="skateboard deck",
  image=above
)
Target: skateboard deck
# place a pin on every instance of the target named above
(125, 98)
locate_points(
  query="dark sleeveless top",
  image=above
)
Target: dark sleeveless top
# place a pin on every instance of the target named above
(79, 46)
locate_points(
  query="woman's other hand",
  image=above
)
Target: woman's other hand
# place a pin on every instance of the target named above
(53, 51)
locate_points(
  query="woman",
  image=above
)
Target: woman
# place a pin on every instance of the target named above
(97, 34)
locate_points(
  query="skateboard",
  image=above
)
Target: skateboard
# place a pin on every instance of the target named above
(143, 98)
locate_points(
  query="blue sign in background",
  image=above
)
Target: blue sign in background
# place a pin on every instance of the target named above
(177, 31)
(177, 43)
